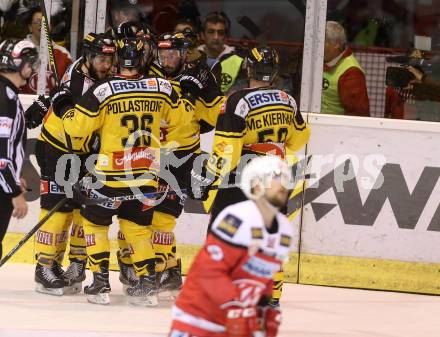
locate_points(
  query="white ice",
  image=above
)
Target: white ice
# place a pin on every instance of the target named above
(309, 311)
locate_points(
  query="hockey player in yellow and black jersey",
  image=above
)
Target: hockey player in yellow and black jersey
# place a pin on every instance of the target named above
(126, 111)
(257, 121)
(95, 64)
(181, 146)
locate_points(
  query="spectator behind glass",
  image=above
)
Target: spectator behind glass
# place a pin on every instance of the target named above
(12, 22)
(61, 54)
(344, 89)
(221, 58)
(123, 11)
(215, 28)
(183, 24)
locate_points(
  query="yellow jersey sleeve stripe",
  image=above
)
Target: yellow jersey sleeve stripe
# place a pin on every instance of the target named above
(229, 134)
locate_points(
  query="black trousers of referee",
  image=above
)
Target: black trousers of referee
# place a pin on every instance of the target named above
(6, 209)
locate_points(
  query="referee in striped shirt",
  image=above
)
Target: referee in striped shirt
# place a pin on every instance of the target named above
(17, 62)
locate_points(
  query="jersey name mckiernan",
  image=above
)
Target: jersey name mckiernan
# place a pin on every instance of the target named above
(267, 120)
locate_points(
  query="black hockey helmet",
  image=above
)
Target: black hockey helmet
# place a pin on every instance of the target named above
(98, 44)
(173, 41)
(129, 46)
(147, 35)
(149, 39)
(263, 63)
(14, 54)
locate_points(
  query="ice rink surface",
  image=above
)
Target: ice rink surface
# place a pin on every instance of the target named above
(309, 311)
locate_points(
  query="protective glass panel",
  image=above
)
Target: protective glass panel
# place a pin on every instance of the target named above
(391, 51)
(23, 20)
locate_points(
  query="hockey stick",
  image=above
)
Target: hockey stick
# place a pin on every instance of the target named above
(53, 65)
(45, 24)
(97, 201)
(83, 200)
(33, 230)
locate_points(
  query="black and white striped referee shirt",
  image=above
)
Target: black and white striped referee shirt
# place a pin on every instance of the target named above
(12, 138)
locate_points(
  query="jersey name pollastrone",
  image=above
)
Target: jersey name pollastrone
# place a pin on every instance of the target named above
(127, 114)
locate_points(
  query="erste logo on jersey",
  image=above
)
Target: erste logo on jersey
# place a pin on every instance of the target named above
(267, 97)
(50, 187)
(229, 225)
(5, 127)
(148, 84)
(110, 204)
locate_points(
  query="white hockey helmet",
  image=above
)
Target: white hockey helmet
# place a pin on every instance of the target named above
(261, 171)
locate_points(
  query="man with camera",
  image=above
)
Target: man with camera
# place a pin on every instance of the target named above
(417, 78)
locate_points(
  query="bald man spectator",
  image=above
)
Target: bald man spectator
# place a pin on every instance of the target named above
(344, 89)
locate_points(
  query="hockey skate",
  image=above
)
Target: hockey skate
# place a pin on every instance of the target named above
(169, 282)
(144, 292)
(75, 275)
(127, 275)
(49, 280)
(98, 291)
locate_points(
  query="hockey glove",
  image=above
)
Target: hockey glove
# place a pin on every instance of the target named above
(200, 185)
(62, 101)
(240, 321)
(194, 81)
(37, 110)
(271, 320)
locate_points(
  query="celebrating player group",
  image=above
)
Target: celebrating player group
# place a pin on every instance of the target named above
(126, 121)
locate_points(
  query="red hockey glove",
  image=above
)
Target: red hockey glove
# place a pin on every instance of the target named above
(271, 320)
(240, 321)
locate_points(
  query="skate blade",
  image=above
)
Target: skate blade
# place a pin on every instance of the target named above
(39, 288)
(75, 288)
(102, 299)
(143, 301)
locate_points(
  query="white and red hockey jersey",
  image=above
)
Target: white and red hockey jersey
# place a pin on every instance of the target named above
(237, 262)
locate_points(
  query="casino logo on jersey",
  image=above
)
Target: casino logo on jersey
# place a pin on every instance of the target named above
(257, 233)
(285, 240)
(229, 225)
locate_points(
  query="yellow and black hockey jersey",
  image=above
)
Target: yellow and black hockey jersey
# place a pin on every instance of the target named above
(52, 130)
(127, 114)
(187, 138)
(256, 121)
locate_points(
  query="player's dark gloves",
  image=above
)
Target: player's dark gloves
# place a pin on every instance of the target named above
(37, 110)
(200, 185)
(195, 81)
(62, 101)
